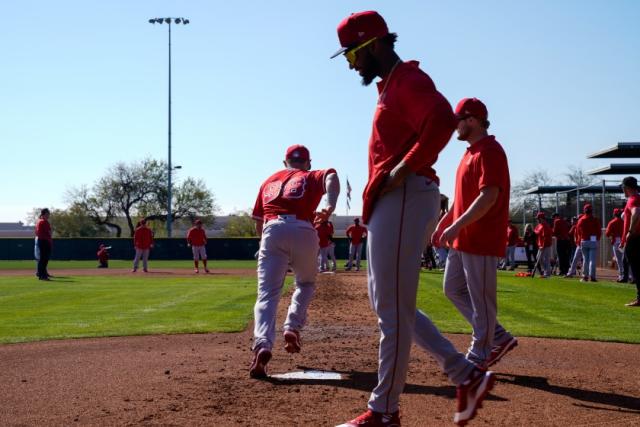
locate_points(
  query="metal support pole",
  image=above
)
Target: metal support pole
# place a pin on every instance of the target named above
(577, 202)
(524, 212)
(557, 203)
(539, 203)
(169, 134)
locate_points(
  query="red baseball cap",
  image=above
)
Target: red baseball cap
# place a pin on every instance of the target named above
(297, 152)
(540, 215)
(472, 107)
(198, 221)
(587, 208)
(617, 211)
(358, 28)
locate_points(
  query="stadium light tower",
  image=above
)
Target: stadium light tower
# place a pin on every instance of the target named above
(169, 21)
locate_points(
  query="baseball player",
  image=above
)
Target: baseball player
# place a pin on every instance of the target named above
(355, 234)
(475, 229)
(332, 249)
(44, 243)
(563, 242)
(103, 256)
(324, 230)
(614, 233)
(143, 243)
(513, 238)
(284, 212)
(589, 233)
(197, 239)
(545, 240)
(401, 201)
(577, 253)
(631, 232)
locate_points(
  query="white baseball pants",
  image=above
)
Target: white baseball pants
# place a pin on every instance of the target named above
(324, 259)
(401, 223)
(199, 252)
(332, 255)
(355, 253)
(285, 242)
(470, 283)
(141, 253)
(619, 256)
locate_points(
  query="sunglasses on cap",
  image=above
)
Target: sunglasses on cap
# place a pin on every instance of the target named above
(351, 53)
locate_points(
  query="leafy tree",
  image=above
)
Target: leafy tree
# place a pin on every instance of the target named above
(72, 222)
(240, 225)
(138, 190)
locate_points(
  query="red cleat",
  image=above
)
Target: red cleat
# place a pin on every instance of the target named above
(374, 419)
(292, 341)
(471, 393)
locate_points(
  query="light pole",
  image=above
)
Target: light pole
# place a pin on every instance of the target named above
(169, 21)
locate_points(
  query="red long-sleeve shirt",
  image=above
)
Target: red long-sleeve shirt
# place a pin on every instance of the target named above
(512, 235)
(588, 226)
(43, 230)
(614, 229)
(545, 234)
(143, 238)
(561, 229)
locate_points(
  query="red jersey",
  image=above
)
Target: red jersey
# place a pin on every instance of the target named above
(512, 235)
(561, 229)
(325, 231)
(588, 226)
(143, 238)
(43, 230)
(632, 202)
(545, 234)
(614, 229)
(413, 122)
(573, 235)
(103, 255)
(484, 164)
(196, 236)
(356, 233)
(291, 192)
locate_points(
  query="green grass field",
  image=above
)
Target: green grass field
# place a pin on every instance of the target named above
(556, 308)
(92, 306)
(122, 263)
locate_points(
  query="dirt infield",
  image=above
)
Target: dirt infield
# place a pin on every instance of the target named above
(203, 380)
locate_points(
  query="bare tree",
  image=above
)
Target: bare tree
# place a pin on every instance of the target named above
(577, 176)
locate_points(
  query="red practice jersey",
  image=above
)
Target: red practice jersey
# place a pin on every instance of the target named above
(614, 229)
(325, 231)
(103, 255)
(291, 192)
(413, 122)
(484, 164)
(196, 236)
(632, 202)
(143, 237)
(588, 226)
(356, 233)
(561, 229)
(545, 234)
(512, 235)
(43, 230)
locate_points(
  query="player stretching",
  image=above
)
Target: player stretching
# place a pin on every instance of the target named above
(284, 212)
(197, 239)
(475, 230)
(412, 124)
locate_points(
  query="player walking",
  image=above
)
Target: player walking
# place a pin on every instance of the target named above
(545, 240)
(284, 212)
(412, 124)
(631, 232)
(589, 233)
(143, 243)
(355, 234)
(614, 233)
(197, 239)
(325, 231)
(476, 231)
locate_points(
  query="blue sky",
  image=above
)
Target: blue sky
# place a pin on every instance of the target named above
(84, 85)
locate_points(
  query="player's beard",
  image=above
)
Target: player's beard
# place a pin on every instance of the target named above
(370, 70)
(463, 133)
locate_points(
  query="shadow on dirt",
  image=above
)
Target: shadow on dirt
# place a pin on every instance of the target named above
(541, 383)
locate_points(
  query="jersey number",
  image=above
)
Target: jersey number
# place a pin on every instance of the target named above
(294, 188)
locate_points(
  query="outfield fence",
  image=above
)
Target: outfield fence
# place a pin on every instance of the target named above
(122, 248)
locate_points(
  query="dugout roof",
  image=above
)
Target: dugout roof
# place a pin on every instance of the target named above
(592, 189)
(622, 150)
(617, 169)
